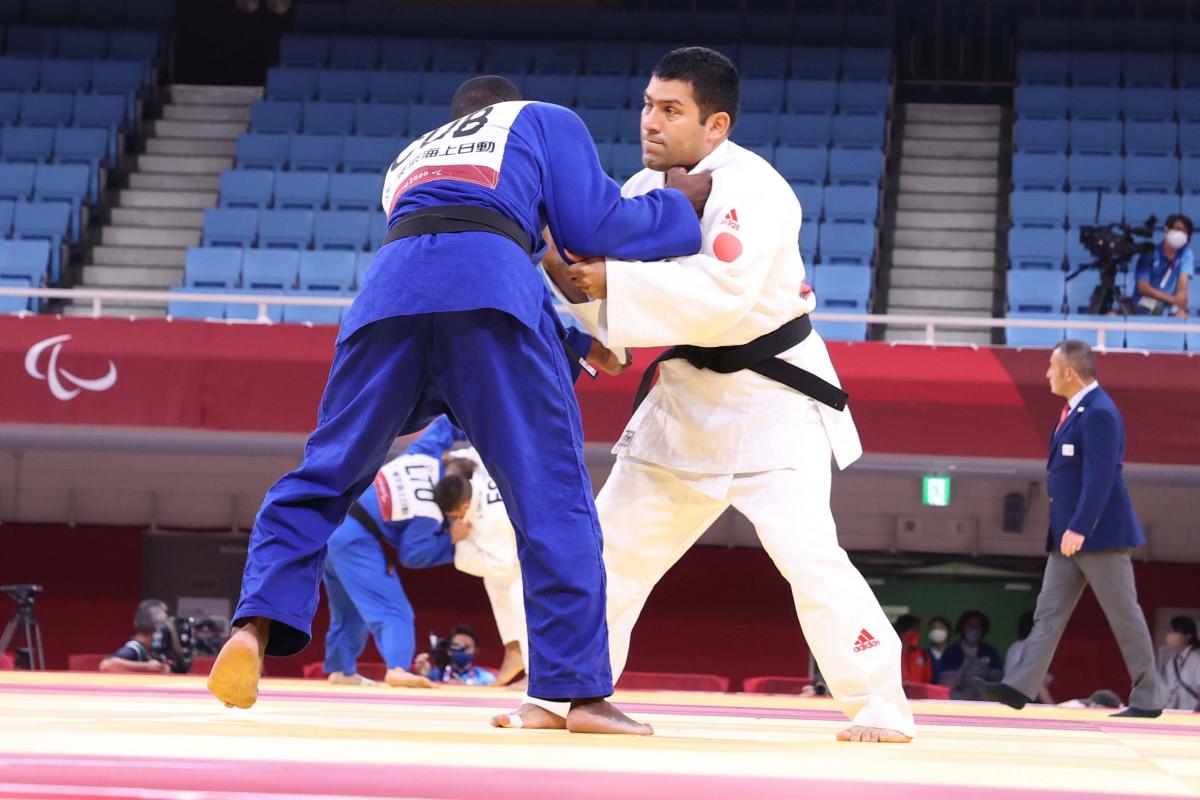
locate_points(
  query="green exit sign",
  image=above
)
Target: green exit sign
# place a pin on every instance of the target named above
(935, 490)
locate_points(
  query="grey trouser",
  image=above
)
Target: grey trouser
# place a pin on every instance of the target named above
(1110, 574)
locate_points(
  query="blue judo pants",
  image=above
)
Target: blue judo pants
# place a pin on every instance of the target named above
(364, 600)
(509, 388)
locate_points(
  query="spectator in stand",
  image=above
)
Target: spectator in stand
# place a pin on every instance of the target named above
(969, 656)
(1162, 275)
(136, 655)
(1180, 665)
(915, 664)
(1012, 659)
(454, 661)
(939, 640)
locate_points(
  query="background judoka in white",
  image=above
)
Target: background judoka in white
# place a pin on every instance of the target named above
(490, 552)
(703, 441)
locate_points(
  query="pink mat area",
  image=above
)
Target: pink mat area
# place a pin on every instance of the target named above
(69, 778)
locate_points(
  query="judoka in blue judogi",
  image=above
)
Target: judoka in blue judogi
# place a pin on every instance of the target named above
(411, 507)
(453, 317)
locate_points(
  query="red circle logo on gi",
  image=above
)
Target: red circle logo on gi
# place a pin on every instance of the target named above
(727, 248)
(58, 378)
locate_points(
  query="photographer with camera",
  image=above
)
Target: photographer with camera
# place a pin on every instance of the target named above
(1162, 275)
(453, 660)
(137, 655)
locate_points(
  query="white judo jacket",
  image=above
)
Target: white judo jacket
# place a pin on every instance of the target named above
(490, 551)
(747, 281)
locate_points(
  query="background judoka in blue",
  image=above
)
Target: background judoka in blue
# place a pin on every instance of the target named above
(365, 598)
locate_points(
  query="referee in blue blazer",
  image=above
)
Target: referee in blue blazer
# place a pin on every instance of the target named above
(1093, 530)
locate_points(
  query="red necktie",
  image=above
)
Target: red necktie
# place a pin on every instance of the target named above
(1063, 416)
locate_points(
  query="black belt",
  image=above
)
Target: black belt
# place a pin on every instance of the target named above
(458, 219)
(363, 517)
(757, 356)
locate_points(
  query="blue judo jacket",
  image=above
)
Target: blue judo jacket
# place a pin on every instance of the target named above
(535, 163)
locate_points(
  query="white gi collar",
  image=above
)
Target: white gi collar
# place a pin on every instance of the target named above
(1082, 393)
(708, 162)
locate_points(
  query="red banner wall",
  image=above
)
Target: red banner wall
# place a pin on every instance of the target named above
(719, 610)
(948, 401)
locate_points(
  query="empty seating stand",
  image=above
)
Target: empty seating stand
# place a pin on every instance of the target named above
(338, 108)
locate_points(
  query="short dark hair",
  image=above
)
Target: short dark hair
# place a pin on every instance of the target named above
(1186, 220)
(906, 623)
(716, 85)
(145, 620)
(465, 630)
(1186, 626)
(942, 620)
(451, 492)
(460, 466)
(480, 92)
(967, 616)
(1079, 357)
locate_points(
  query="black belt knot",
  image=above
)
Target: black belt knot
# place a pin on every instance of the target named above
(760, 356)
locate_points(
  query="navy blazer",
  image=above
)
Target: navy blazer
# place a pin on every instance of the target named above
(1087, 491)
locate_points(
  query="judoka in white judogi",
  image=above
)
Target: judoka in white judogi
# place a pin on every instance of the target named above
(703, 441)
(490, 552)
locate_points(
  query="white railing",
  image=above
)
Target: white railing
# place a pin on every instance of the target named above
(99, 296)
(930, 324)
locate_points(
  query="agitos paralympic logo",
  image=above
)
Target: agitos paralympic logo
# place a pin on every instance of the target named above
(64, 385)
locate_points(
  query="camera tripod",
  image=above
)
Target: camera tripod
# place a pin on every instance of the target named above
(1107, 296)
(25, 619)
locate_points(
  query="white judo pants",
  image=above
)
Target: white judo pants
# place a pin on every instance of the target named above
(651, 515)
(508, 607)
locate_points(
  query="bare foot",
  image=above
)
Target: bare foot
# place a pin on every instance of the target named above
(600, 716)
(531, 717)
(402, 677)
(234, 676)
(342, 679)
(512, 666)
(861, 733)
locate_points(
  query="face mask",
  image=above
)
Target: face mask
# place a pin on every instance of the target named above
(1177, 239)
(461, 658)
(973, 635)
(937, 636)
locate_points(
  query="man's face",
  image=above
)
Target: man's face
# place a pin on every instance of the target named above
(1059, 375)
(672, 132)
(460, 511)
(463, 642)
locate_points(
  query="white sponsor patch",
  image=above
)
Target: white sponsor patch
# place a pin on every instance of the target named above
(469, 149)
(1068, 450)
(404, 487)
